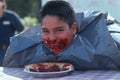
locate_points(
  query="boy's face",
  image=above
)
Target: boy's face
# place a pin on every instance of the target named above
(1, 5)
(56, 33)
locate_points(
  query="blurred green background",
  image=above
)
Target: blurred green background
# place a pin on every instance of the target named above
(28, 10)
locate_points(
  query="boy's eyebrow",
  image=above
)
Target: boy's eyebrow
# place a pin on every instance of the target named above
(59, 27)
(43, 28)
(54, 28)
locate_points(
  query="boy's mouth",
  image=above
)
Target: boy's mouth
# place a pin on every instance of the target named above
(56, 45)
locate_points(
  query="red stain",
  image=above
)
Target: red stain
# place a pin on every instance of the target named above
(56, 45)
(47, 68)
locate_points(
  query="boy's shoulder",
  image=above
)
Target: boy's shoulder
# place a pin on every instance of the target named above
(26, 39)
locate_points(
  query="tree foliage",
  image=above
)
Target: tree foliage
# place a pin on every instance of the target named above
(24, 7)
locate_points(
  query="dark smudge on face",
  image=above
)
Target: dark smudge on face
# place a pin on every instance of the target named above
(56, 45)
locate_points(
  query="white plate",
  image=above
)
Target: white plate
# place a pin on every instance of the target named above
(69, 68)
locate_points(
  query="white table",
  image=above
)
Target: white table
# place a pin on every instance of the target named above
(19, 74)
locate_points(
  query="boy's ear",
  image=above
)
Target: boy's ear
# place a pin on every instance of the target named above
(74, 28)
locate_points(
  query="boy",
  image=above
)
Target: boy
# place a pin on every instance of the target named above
(86, 46)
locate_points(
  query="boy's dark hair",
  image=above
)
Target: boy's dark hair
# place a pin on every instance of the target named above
(58, 8)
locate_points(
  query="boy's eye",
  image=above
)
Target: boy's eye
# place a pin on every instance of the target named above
(59, 30)
(45, 31)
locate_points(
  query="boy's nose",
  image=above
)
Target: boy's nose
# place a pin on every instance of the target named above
(52, 37)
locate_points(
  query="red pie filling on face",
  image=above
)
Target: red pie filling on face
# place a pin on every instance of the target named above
(56, 45)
